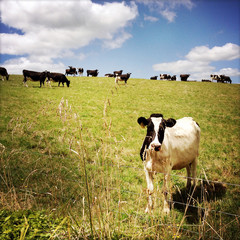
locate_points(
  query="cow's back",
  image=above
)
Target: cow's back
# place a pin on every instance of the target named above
(181, 142)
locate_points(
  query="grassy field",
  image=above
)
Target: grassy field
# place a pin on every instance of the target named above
(70, 165)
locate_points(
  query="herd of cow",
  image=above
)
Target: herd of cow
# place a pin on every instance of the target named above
(118, 75)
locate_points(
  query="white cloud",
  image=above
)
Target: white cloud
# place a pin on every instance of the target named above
(54, 29)
(150, 18)
(166, 8)
(197, 62)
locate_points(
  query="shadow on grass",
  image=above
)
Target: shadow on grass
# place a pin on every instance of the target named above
(192, 198)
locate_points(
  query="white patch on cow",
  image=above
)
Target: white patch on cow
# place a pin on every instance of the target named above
(156, 122)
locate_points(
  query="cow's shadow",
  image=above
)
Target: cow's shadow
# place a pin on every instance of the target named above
(194, 202)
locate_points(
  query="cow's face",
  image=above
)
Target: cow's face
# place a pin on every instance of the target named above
(156, 126)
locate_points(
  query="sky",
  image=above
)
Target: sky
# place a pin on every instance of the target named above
(143, 37)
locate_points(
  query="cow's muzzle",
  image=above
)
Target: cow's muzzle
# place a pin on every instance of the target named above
(156, 147)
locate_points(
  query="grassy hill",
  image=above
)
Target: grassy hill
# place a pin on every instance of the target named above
(74, 153)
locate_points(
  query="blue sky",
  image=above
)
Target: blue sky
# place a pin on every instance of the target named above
(144, 37)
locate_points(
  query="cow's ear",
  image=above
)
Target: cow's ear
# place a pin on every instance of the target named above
(170, 122)
(143, 122)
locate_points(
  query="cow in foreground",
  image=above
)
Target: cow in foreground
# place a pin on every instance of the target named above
(58, 77)
(169, 145)
(4, 73)
(122, 77)
(34, 76)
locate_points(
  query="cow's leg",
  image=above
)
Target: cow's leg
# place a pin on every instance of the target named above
(149, 178)
(166, 208)
(194, 170)
(188, 167)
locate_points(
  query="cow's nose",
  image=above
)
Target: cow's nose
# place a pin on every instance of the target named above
(156, 147)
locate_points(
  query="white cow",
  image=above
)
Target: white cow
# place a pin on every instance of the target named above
(169, 145)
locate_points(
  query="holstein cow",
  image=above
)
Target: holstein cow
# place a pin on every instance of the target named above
(80, 71)
(163, 76)
(4, 73)
(215, 77)
(109, 75)
(117, 73)
(71, 71)
(93, 73)
(154, 78)
(184, 77)
(123, 77)
(58, 77)
(169, 145)
(34, 76)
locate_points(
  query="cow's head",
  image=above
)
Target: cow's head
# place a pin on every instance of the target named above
(156, 126)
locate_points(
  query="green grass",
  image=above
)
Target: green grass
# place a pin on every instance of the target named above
(75, 151)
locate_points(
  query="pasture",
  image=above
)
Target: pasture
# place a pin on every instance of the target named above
(70, 160)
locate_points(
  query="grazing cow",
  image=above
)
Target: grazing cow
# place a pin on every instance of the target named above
(215, 77)
(80, 71)
(117, 73)
(4, 73)
(173, 78)
(109, 75)
(34, 76)
(163, 76)
(184, 77)
(154, 78)
(224, 78)
(58, 77)
(122, 77)
(169, 145)
(93, 73)
(71, 71)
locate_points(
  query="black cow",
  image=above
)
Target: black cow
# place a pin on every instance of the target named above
(184, 77)
(34, 76)
(123, 77)
(109, 75)
(58, 77)
(154, 78)
(173, 78)
(224, 78)
(117, 73)
(4, 73)
(71, 71)
(93, 73)
(80, 71)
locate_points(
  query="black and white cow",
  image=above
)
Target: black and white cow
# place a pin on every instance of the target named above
(169, 145)
(58, 77)
(34, 76)
(80, 71)
(122, 77)
(4, 73)
(93, 73)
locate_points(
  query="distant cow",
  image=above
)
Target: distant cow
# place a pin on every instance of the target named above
(71, 71)
(184, 77)
(93, 73)
(169, 145)
(122, 77)
(173, 78)
(117, 73)
(224, 78)
(58, 77)
(80, 71)
(109, 75)
(215, 77)
(163, 76)
(34, 76)
(154, 78)
(4, 73)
